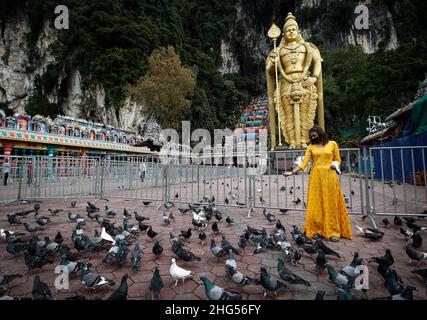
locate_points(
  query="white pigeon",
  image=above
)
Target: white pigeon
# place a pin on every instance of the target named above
(107, 237)
(198, 218)
(179, 273)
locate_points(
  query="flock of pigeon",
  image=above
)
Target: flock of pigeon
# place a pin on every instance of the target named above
(119, 244)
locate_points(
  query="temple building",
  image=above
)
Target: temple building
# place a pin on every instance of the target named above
(23, 135)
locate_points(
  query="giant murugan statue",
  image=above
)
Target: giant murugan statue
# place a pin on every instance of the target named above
(294, 85)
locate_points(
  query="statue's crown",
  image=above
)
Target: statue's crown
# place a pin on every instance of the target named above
(290, 20)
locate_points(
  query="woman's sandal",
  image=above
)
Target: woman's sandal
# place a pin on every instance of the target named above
(334, 239)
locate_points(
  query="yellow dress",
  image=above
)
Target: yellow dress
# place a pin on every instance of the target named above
(326, 211)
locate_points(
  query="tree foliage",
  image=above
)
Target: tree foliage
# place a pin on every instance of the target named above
(165, 90)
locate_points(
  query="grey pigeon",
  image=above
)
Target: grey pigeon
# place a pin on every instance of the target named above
(214, 292)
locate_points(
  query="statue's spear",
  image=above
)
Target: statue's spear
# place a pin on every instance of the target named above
(274, 33)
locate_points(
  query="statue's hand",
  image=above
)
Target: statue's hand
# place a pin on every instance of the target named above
(309, 81)
(274, 56)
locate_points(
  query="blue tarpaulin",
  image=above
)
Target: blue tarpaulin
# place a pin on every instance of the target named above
(388, 162)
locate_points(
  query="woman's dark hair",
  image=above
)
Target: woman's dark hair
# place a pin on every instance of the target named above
(323, 138)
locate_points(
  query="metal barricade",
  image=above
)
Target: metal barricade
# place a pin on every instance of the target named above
(374, 181)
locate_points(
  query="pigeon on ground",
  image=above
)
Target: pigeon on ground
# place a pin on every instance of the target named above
(238, 278)
(151, 233)
(179, 273)
(415, 254)
(320, 295)
(269, 283)
(135, 258)
(216, 250)
(340, 280)
(91, 279)
(269, 216)
(32, 229)
(71, 266)
(184, 254)
(370, 233)
(215, 228)
(186, 234)
(202, 237)
(54, 211)
(226, 246)
(11, 218)
(231, 261)
(157, 249)
(121, 292)
(40, 290)
(146, 203)
(214, 292)
(156, 283)
(288, 276)
(5, 279)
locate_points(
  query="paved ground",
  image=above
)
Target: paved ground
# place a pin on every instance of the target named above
(247, 263)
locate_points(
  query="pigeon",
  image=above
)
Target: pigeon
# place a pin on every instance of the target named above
(384, 262)
(157, 249)
(351, 270)
(42, 221)
(35, 261)
(40, 290)
(71, 266)
(370, 233)
(121, 292)
(73, 204)
(179, 273)
(320, 295)
(270, 217)
(135, 258)
(345, 294)
(91, 279)
(420, 272)
(122, 252)
(15, 248)
(165, 218)
(126, 214)
(11, 218)
(226, 246)
(58, 238)
(202, 237)
(397, 221)
(414, 226)
(92, 207)
(54, 211)
(270, 284)
(110, 212)
(140, 218)
(5, 279)
(215, 228)
(279, 226)
(186, 234)
(218, 216)
(242, 242)
(238, 278)
(231, 261)
(283, 210)
(229, 220)
(184, 254)
(214, 292)
(156, 283)
(340, 280)
(216, 250)
(184, 210)
(32, 229)
(319, 244)
(143, 227)
(386, 223)
(393, 283)
(414, 254)
(226, 200)
(288, 276)
(151, 233)
(73, 217)
(146, 203)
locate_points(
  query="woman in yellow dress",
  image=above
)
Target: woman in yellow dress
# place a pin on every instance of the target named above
(326, 212)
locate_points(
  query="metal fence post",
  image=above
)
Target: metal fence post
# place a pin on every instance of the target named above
(367, 198)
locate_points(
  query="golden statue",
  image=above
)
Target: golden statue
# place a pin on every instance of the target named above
(294, 85)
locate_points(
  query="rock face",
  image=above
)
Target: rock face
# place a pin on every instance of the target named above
(18, 72)
(243, 51)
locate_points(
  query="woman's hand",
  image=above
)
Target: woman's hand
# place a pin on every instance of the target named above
(288, 173)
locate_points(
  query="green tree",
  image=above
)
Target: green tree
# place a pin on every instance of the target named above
(165, 89)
